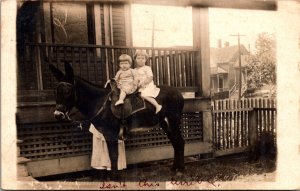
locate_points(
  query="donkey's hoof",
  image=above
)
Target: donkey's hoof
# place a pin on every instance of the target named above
(173, 169)
(115, 177)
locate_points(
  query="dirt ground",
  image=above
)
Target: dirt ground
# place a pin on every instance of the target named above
(220, 169)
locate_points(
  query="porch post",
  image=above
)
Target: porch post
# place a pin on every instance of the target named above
(107, 24)
(128, 32)
(97, 17)
(40, 37)
(201, 42)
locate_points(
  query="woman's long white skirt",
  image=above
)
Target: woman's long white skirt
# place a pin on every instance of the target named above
(100, 156)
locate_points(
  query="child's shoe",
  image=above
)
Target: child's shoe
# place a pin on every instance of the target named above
(119, 102)
(158, 108)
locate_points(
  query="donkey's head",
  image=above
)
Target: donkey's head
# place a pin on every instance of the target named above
(65, 91)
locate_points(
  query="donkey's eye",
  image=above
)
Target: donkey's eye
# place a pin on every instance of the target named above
(68, 91)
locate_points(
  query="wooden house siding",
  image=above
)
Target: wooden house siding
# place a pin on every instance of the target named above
(118, 25)
(102, 24)
(87, 62)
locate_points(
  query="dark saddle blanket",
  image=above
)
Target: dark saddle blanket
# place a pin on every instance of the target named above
(132, 104)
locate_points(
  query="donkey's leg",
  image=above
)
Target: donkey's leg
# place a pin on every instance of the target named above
(177, 143)
(174, 123)
(113, 155)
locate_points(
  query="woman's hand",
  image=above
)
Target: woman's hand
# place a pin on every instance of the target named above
(119, 84)
(141, 84)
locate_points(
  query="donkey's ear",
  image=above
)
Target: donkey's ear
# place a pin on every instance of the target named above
(69, 72)
(56, 72)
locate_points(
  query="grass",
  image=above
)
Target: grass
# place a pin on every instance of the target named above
(221, 169)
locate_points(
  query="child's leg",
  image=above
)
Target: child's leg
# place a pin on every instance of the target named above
(121, 98)
(154, 102)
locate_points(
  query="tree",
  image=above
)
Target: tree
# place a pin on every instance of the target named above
(261, 68)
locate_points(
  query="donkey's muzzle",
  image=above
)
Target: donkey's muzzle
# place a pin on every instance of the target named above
(59, 115)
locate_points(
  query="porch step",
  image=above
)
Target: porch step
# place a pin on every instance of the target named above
(19, 142)
(26, 178)
(22, 167)
(22, 160)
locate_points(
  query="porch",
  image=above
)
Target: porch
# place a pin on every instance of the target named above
(63, 146)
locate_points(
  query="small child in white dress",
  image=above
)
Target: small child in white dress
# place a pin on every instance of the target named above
(125, 78)
(144, 75)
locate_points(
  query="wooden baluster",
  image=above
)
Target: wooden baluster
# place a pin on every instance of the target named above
(242, 124)
(273, 118)
(110, 62)
(247, 123)
(219, 132)
(108, 76)
(172, 69)
(188, 69)
(178, 70)
(165, 68)
(273, 123)
(160, 68)
(183, 72)
(149, 62)
(265, 116)
(114, 62)
(80, 62)
(88, 64)
(223, 125)
(50, 57)
(193, 68)
(154, 66)
(95, 66)
(214, 128)
(253, 133)
(260, 119)
(227, 126)
(236, 129)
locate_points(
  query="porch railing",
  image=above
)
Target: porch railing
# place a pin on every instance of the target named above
(171, 66)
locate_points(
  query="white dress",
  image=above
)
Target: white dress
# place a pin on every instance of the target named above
(100, 157)
(150, 90)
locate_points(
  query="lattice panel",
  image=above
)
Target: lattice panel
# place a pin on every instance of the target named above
(56, 140)
(191, 128)
(53, 140)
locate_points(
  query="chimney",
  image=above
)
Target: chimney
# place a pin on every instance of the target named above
(226, 44)
(219, 43)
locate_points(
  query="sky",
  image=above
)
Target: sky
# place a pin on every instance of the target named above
(174, 25)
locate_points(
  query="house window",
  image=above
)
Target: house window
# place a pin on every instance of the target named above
(69, 23)
(221, 84)
(66, 23)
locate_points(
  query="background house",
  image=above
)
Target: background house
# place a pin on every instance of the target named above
(224, 63)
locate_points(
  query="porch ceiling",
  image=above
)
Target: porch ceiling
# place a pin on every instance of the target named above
(238, 4)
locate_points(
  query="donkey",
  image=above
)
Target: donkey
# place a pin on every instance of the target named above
(94, 103)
